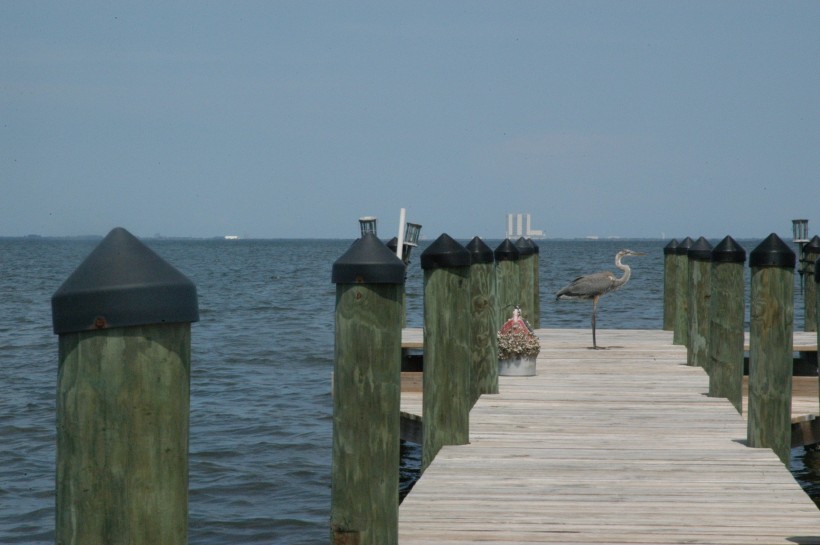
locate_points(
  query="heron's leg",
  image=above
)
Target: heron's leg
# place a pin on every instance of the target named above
(594, 310)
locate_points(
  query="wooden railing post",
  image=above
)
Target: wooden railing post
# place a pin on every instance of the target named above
(364, 476)
(507, 279)
(770, 346)
(526, 278)
(811, 253)
(700, 271)
(726, 318)
(483, 315)
(536, 286)
(447, 355)
(669, 268)
(681, 332)
(817, 296)
(123, 402)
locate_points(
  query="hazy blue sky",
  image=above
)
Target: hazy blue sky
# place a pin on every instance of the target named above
(288, 119)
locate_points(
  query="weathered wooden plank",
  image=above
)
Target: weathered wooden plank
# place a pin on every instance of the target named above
(610, 446)
(413, 338)
(803, 341)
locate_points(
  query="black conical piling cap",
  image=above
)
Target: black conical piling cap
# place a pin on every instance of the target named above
(393, 244)
(368, 261)
(728, 251)
(683, 246)
(701, 250)
(772, 252)
(445, 253)
(813, 247)
(480, 252)
(507, 251)
(123, 283)
(536, 249)
(669, 249)
(525, 246)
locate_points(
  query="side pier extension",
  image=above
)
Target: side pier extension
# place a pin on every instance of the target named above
(621, 445)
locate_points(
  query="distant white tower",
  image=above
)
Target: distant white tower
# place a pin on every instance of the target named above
(516, 226)
(533, 233)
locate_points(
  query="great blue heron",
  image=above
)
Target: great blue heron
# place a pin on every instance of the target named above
(593, 286)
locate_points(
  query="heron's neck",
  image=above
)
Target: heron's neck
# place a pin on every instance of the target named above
(625, 268)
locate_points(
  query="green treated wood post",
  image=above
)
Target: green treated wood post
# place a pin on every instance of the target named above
(726, 318)
(817, 294)
(536, 287)
(812, 254)
(447, 355)
(364, 476)
(507, 279)
(681, 331)
(700, 274)
(770, 346)
(669, 279)
(526, 278)
(484, 344)
(123, 319)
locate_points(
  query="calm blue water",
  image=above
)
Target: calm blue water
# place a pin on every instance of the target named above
(262, 356)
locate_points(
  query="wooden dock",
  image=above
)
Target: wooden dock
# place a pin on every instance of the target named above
(606, 446)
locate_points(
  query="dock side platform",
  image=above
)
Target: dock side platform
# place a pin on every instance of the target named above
(620, 445)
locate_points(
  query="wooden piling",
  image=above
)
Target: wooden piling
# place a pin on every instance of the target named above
(817, 296)
(700, 271)
(536, 287)
(364, 479)
(681, 331)
(669, 279)
(483, 314)
(447, 355)
(507, 279)
(811, 253)
(770, 346)
(123, 399)
(527, 279)
(726, 321)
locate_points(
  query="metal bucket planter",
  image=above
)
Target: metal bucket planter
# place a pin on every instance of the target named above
(517, 367)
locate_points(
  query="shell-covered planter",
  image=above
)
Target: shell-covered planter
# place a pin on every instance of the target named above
(517, 347)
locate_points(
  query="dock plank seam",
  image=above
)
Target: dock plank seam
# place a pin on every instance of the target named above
(610, 446)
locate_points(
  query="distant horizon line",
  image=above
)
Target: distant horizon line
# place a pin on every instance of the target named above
(235, 238)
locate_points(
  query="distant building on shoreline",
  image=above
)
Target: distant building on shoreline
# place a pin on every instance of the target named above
(517, 228)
